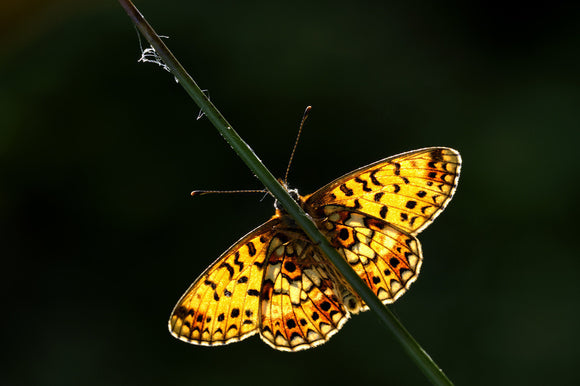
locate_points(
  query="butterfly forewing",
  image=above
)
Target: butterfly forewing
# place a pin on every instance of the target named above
(408, 190)
(222, 305)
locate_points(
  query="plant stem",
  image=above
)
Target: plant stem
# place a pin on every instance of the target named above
(419, 356)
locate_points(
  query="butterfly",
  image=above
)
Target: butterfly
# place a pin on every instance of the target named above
(276, 282)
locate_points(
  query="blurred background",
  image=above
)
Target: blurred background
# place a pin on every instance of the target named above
(98, 154)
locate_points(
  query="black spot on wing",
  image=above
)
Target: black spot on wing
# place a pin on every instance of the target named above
(228, 267)
(364, 184)
(383, 211)
(290, 266)
(373, 177)
(346, 190)
(251, 248)
(210, 283)
(232, 327)
(295, 335)
(237, 261)
(253, 292)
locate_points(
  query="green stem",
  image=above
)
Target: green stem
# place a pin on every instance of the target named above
(421, 358)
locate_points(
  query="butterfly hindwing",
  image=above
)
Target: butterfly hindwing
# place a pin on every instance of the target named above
(301, 305)
(222, 305)
(387, 259)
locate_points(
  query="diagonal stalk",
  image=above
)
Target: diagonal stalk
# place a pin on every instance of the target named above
(415, 351)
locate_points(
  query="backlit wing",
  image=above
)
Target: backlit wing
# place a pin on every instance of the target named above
(222, 305)
(302, 303)
(387, 259)
(408, 190)
(372, 214)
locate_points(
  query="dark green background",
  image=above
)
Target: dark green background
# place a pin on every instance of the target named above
(98, 154)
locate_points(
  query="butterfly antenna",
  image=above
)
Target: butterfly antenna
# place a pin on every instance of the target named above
(196, 193)
(306, 111)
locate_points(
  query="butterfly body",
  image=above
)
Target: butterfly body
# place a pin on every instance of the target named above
(276, 282)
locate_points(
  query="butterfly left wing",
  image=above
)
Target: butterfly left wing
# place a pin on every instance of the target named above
(222, 305)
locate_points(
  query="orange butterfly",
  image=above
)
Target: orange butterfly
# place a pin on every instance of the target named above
(275, 281)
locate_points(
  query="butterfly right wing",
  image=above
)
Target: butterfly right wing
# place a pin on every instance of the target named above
(386, 258)
(222, 305)
(408, 190)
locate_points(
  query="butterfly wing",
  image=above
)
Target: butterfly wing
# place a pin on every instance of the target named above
(387, 259)
(372, 214)
(408, 190)
(273, 281)
(301, 296)
(222, 305)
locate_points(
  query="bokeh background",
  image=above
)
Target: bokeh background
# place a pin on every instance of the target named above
(98, 154)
